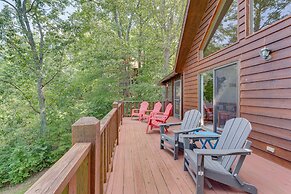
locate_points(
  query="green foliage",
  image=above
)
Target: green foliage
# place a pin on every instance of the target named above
(88, 63)
(208, 90)
(26, 153)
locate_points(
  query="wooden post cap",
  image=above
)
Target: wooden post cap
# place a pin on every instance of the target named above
(115, 104)
(86, 121)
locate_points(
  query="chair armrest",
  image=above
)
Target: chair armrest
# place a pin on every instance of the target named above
(222, 152)
(187, 130)
(171, 124)
(158, 116)
(200, 136)
(160, 119)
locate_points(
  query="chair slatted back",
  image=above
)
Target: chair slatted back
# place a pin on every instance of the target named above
(143, 107)
(234, 136)
(157, 107)
(168, 110)
(191, 119)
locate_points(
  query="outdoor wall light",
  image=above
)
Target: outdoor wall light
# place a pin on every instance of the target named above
(265, 53)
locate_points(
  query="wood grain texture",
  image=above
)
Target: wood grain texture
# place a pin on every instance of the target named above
(265, 86)
(57, 178)
(141, 167)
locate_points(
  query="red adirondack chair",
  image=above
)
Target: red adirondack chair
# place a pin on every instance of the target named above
(141, 111)
(160, 118)
(156, 110)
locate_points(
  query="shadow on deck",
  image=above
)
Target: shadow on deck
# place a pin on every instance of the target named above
(141, 167)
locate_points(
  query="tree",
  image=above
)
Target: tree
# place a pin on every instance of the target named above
(267, 12)
(33, 43)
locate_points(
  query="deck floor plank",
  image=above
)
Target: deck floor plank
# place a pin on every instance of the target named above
(141, 167)
(155, 169)
(146, 170)
(118, 175)
(136, 165)
(128, 166)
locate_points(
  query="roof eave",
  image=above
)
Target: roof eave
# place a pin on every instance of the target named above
(193, 16)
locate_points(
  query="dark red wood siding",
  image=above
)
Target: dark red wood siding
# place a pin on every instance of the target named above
(265, 86)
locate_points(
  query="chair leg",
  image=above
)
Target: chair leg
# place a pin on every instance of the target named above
(162, 144)
(200, 175)
(185, 163)
(176, 151)
(249, 188)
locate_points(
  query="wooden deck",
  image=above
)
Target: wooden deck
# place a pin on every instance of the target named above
(141, 167)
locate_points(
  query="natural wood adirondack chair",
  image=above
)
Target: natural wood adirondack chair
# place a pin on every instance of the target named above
(156, 110)
(216, 163)
(141, 111)
(189, 124)
(160, 118)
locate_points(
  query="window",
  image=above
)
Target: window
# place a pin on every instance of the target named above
(223, 30)
(264, 13)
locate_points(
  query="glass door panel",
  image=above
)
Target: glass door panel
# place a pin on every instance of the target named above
(177, 99)
(206, 99)
(225, 94)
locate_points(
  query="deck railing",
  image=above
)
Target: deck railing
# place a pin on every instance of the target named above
(86, 167)
(129, 105)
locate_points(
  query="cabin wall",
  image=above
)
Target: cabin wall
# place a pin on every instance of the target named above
(265, 86)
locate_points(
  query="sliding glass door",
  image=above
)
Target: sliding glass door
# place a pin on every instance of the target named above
(219, 96)
(225, 94)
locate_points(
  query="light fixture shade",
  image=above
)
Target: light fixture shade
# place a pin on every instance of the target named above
(265, 53)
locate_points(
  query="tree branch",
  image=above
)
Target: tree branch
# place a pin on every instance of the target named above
(41, 42)
(31, 6)
(116, 19)
(23, 94)
(52, 78)
(57, 72)
(9, 4)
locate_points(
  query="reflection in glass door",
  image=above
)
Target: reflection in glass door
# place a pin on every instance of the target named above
(206, 99)
(177, 98)
(225, 94)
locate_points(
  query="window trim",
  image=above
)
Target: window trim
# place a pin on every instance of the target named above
(215, 21)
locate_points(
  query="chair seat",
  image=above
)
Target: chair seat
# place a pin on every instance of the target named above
(171, 138)
(135, 114)
(210, 166)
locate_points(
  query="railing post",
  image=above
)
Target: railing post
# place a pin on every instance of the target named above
(87, 129)
(115, 105)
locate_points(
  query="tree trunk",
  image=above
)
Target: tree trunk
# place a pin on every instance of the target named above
(166, 58)
(41, 101)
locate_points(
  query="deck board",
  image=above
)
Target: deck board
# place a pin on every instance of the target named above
(141, 167)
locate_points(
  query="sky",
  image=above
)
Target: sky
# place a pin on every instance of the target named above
(69, 10)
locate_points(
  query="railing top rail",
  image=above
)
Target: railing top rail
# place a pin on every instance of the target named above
(58, 176)
(105, 121)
